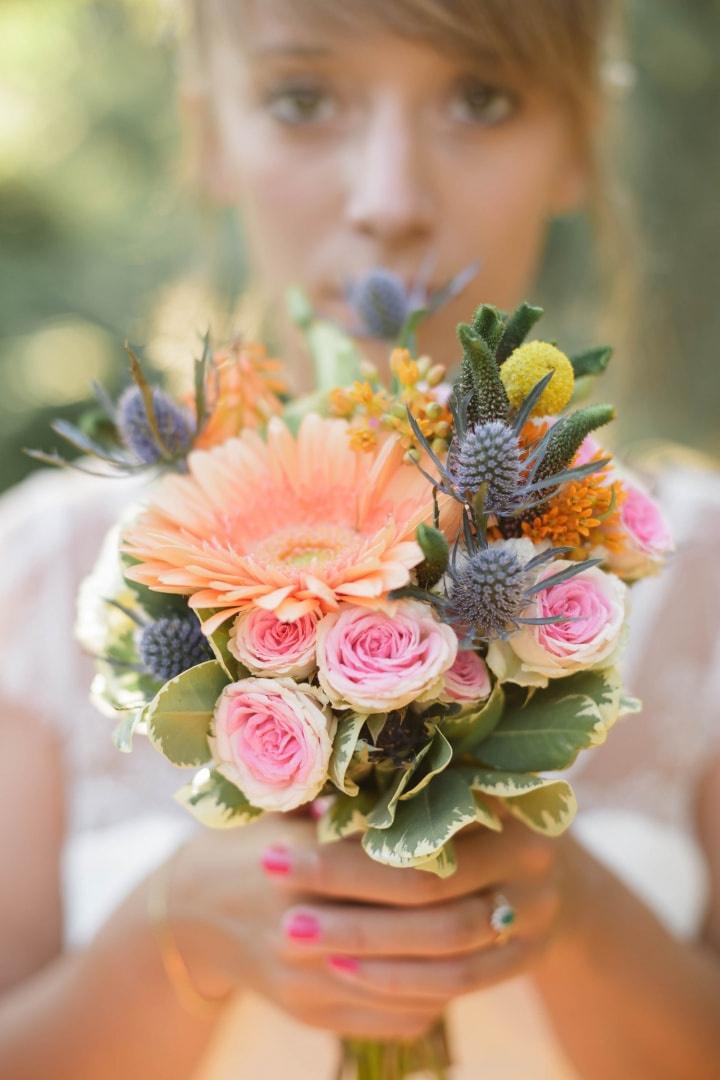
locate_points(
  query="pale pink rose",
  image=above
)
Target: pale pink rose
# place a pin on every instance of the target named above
(649, 540)
(267, 646)
(589, 448)
(467, 681)
(373, 662)
(273, 740)
(595, 602)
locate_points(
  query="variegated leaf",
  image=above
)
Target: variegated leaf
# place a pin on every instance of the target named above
(346, 816)
(499, 782)
(214, 801)
(179, 716)
(346, 737)
(485, 815)
(438, 757)
(383, 813)
(218, 642)
(444, 864)
(549, 731)
(425, 824)
(549, 809)
(469, 729)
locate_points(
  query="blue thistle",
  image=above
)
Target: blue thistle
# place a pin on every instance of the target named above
(489, 591)
(174, 425)
(489, 454)
(382, 303)
(171, 645)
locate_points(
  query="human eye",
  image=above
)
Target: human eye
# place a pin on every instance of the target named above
(300, 103)
(481, 103)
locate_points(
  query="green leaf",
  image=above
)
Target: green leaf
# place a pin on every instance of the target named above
(438, 757)
(346, 737)
(549, 809)
(214, 801)
(383, 813)
(375, 724)
(424, 825)
(591, 362)
(444, 864)
(499, 782)
(485, 815)
(407, 338)
(435, 548)
(469, 729)
(179, 716)
(218, 642)
(122, 736)
(519, 324)
(548, 732)
(346, 816)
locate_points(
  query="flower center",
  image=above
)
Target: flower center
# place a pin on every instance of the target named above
(300, 547)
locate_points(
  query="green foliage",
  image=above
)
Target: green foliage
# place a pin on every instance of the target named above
(422, 826)
(346, 816)
(556, 723)
(567, 436)
(480, 377)
(216, 802)
(592, 361)
(349, 726)
(489, 323)
(219, 644)
(179, 717)
(468, 729)
(436, 551)
(518, 326)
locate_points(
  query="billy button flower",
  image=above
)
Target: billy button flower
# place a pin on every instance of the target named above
(524, 369)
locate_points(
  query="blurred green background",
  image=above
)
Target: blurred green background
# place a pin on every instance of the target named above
(102, 238)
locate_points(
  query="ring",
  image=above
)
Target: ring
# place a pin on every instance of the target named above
(502, 917)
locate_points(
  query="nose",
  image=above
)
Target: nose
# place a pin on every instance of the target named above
(390, 198)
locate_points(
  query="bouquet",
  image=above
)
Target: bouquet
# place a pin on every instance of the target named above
(405, 595)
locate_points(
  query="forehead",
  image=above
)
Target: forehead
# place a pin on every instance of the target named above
(316, 27)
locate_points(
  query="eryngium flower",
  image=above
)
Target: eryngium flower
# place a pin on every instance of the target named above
(489, 454)
(173, 422)
(489, 591)
(169, 646)
(382, 303)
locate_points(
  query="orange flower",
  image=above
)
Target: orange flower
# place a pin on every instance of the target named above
(582, 514)
(289, 524)
(243, 387)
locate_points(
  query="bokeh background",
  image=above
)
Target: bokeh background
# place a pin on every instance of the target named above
(103, 237)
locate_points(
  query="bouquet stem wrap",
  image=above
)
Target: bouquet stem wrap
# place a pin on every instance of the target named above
(428, 1056)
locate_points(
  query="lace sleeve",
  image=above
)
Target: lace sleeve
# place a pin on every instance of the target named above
(652, 761)
(50, 527)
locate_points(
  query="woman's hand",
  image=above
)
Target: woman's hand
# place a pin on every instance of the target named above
(344, 943)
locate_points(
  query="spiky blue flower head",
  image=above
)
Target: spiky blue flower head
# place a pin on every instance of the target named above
(488, 592)
(171, 645)
(173, 421)
(489, 454)
(382, 303)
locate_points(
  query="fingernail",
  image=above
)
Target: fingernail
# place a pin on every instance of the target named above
(301, 926)
(347, 965)
(276, 860)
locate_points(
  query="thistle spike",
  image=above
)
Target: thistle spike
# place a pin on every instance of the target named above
(480, 375)
(517, 328)
(567, 436)
(489, 323)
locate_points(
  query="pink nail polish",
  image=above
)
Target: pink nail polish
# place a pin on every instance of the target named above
(302, 927)
(347, 965)
(276, 860)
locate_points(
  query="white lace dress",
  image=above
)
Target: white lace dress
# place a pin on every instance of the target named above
(635, 793)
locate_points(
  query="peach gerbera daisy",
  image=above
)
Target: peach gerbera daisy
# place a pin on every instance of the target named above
(290, 524)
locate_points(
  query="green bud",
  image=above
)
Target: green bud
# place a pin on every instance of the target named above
(517, 328)
(435, 548)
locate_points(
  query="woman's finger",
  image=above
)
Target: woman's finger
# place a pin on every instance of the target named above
(442, 979)
(458, 926)
(343, 870)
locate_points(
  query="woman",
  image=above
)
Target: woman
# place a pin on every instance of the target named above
(352, 136)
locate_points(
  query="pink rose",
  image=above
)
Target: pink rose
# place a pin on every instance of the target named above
(273, 740)
(467, 681)
(267, 646)
(649, 540)
(374, 662)
(595, 605)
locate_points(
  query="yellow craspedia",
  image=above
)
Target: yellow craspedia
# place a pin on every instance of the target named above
(524, 369)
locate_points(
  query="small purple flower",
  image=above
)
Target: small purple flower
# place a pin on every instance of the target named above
(174, 425)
